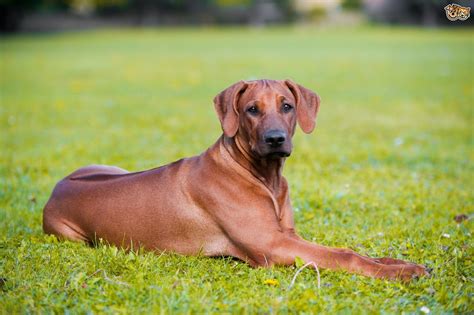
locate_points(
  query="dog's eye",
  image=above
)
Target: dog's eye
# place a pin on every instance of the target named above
(286, 108)
(252, 110)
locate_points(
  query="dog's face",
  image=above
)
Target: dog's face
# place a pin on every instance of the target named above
(263, 114)
(267, 118)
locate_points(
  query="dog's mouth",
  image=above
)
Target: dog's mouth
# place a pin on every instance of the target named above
(265, 151)
(278, 154)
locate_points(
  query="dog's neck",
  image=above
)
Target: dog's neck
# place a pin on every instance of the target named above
(266, 170)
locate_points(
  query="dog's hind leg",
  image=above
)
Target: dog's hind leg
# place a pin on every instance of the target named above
(62, 228)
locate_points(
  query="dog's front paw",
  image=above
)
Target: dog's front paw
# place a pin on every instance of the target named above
(405, 272)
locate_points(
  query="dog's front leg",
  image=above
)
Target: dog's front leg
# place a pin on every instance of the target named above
(286, 249)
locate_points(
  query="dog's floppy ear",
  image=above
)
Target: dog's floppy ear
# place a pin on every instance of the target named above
(307, 105)
(225, 104)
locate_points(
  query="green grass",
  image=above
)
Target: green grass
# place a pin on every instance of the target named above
(388, 168)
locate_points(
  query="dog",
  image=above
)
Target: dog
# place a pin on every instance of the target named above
(231, 200)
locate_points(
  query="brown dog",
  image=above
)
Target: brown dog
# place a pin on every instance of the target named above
(230, 200)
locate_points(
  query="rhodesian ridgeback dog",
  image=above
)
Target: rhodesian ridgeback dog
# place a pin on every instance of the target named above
(231, 200)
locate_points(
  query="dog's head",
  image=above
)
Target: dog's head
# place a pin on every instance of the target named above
(263, 114)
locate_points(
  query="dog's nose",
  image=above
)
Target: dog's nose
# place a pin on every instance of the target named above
(275, 138)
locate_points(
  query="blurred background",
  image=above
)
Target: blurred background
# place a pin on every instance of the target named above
(50, 15)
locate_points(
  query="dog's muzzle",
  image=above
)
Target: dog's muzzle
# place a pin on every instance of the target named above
(276, 144)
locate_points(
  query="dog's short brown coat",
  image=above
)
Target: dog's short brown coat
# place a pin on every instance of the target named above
(230, 200)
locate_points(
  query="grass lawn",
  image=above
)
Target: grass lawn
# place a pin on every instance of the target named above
(388, 168)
